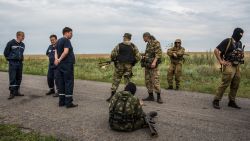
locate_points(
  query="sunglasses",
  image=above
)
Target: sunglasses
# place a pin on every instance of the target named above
(177, 42)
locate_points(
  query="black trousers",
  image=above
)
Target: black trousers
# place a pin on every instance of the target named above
(65, 78)
(15, 75)
(51, 77)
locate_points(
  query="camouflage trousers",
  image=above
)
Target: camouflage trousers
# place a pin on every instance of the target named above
(152, 80)
(174, 70)
(230, 77)
(128, 127)
(121, 70)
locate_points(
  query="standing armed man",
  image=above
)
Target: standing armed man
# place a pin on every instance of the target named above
(65, 60)
(125, 55)
(230, 55)
(14, 54)
(150, 61)
(175, 69)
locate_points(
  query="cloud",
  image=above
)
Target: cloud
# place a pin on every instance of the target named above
(98, 25)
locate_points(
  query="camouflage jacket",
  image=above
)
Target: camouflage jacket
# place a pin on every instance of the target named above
(153, 49)
(179, 52)
(115, 52)
(124, 111)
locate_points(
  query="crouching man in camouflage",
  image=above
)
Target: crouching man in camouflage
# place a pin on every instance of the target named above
(125, 55)
(125, 111)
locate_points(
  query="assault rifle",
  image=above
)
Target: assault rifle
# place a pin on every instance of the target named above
(105, 63)
(151, 123)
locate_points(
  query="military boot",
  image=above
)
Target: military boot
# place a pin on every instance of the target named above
(51, 91)
(216, 104)
(159, 100)
(233, 104)
(112, 94)
(177, 88)
(12, 95)
(149, 98)
(170, 88)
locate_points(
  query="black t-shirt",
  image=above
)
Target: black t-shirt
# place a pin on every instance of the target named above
(65, 43)
(51, 54)
(223, 46)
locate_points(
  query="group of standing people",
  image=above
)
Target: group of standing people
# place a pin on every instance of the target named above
(126, 54)
(60, 70)
(229, 53)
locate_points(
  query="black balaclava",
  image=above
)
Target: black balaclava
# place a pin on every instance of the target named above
(237, 34)
(131, 87)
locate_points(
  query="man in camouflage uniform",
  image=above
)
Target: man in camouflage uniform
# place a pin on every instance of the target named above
(230, 62)
(175, 69)
(125, 110)
(153, 55)
(125, 55)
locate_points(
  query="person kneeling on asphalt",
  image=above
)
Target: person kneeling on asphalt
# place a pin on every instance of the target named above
(125, 111)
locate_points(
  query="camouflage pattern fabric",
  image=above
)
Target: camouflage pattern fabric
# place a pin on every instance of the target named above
(230, 77)
(152, 80)
(115, 52)
(125, 112)
(122, 69)
(175, 67)
(152, 76)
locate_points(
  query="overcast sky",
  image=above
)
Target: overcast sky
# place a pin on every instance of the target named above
(98, 25)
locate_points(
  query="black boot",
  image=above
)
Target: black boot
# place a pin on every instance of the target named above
(51, 91)
(233, 105)
(17, 93)
(12, 95)
(216, 104)
(170, 88)
(149, 98)
(112, 94)
(159, 100)
(72, 105)
(177, 88)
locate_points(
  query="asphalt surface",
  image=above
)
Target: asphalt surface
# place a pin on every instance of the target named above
(184, 116)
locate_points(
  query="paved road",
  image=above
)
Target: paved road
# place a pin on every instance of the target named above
(184, 116)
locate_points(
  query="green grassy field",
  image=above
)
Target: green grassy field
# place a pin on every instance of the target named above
(200, 71)
(15, 133)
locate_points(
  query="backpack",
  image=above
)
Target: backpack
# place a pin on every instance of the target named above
(122, 111)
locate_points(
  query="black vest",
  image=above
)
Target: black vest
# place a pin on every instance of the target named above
(126, 53)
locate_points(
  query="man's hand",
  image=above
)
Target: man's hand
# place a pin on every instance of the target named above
(175, 55)
(56, 62)
(153, 65)
(225, 63)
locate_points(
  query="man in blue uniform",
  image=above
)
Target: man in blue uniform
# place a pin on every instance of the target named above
(14, 55)
(51, 76)
(65, 60)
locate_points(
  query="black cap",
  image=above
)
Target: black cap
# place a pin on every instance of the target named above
(130, 87)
